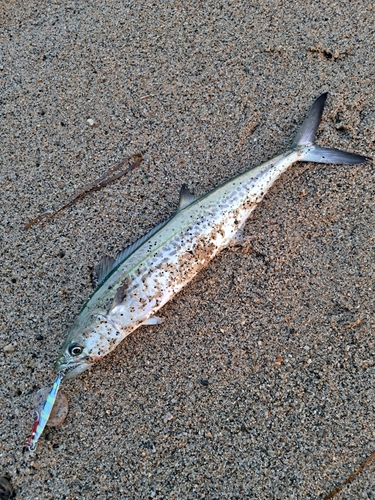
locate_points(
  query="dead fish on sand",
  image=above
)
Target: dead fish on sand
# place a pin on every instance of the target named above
(148, 273)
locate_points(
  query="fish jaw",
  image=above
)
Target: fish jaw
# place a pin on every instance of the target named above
(87, 343)
(70, 369)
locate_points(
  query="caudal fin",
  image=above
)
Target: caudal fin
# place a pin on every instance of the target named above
(305, 140)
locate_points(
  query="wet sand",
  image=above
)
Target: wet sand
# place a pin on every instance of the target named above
(260, 382)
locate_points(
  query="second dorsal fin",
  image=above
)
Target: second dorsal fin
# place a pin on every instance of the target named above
(120, 294)
(186, 198)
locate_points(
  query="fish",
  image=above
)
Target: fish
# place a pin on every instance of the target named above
(135, 285)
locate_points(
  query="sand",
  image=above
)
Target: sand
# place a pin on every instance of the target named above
(260, 382)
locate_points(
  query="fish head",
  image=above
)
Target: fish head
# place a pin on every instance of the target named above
(87, 341)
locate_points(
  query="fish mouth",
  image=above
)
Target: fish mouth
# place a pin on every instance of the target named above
(71, 370)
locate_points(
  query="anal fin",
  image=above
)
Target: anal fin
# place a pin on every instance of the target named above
(154, 320)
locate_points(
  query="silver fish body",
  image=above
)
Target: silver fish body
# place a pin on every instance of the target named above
(153, 270)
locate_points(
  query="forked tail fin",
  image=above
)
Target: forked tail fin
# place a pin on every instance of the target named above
(305, 140)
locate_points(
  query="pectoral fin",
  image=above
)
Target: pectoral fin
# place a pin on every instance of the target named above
(120, 294)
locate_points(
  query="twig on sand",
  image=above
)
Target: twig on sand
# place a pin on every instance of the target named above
(110, 176)
(351, 477)
(146, 97)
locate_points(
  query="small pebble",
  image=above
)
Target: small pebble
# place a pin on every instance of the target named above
(10, 347)
(91, 122)
(167, 417)
(204, 382)
(60, 408)
(39, 337)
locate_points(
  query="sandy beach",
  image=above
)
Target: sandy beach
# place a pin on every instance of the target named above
(260, 383)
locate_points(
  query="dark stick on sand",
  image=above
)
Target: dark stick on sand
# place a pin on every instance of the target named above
(110, 176)
(351, 477)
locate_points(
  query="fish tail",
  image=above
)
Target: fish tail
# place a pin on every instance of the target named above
(305, 140)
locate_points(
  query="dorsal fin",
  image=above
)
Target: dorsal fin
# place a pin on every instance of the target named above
(102, 269)
(124, 254)
(186, 198)
(107, 264)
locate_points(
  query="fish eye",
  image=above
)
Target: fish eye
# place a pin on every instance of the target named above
(75, 349)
